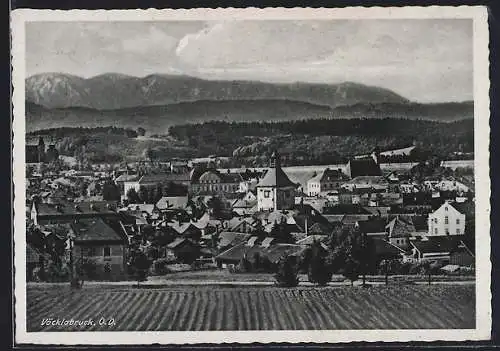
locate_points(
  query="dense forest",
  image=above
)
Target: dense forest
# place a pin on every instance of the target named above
(326, 140)
(303, 142)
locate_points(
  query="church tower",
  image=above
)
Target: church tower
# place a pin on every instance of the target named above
(275, 191)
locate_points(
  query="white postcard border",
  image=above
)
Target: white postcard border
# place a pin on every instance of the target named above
(482, 179)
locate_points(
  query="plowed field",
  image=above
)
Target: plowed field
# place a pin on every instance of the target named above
(254, 308)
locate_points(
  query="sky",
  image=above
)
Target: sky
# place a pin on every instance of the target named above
(424, 60)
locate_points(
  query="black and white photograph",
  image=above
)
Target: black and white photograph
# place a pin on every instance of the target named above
(215, 175)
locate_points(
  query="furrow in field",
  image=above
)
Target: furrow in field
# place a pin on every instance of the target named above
(70, 308)
(318, 321)
(117, 308)
(183, 317)
(338, 307)
(134, 313)
(386, 313)
(167, 311)
(381, 318)
(244, 308)
(446, 315)
(283, 307)
(462, 306)
(44, 309)
(70, 311)
(298, 311)
(204, 313)
(122, 317)
(194, 320)
(232, 313)
(270, 321)
(221, 311)
(432, 313)
(212, 316)
(150, 309)
(107, 308)
(308, 310)
(93, 310)
(238, 311)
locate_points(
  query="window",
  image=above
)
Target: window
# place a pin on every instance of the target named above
(458, 231)
(435, 220)
(446, 220)
(458, 220)
(446, 208)
(90, 251)
(435, 230)
(266, 193)
(447, 231)
(107, 251)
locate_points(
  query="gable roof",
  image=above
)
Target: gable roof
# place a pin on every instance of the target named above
(232, 238)
(275, 177)
(178, 242)
(63, 208)
(375, 225)
(363, 167)
(438, 244)
(148, 208)
(309, 240)
(273, 252)
(165, 178)
(181, 228)
(330, 175)
(167, 202)
(127, 178)
(94, 229)
(400, 227)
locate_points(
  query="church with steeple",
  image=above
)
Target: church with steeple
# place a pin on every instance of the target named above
(275, 191)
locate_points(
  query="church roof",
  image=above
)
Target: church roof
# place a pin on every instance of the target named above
(275, 177)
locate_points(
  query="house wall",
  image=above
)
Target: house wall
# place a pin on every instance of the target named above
(446, 220)
(313, 188)
(115, 261)
(401, 242)
(265, 198)
(130, 185)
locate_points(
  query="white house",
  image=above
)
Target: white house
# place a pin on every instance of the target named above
(329, 179)
(275, 191)
(446, 220)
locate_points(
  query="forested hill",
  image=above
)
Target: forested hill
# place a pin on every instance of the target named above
(325, 140)
(305, 142)
(337, 127)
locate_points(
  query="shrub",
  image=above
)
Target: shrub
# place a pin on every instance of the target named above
(319, 272)
(160, 266)
(351, 269)
(287, 275)
(139, 264)
(57, 272)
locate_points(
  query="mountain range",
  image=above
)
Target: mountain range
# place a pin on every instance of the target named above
(156, 102)
(117, 91)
